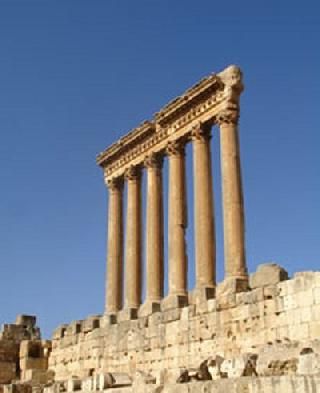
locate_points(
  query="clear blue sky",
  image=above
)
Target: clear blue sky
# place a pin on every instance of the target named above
(76, 75)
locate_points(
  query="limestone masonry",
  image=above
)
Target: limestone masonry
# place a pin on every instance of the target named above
(248, 334)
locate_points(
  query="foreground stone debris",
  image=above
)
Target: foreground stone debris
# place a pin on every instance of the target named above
(257, 333)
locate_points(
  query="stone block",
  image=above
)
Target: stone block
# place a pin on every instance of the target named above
(270, 292)
(174, 301)
(33, 363)
(305, 298)
(232, 285)
(314, 330)
(306, 314)
(59, 332)
(37, 376)
(226, 301)
(74, 328)
(110, 319)
(127, 314)
(121, 379)
(316, 295)
(91, 323)
(154, 319)
(212, 305)
(267, 274)
(7, 371)
(18, 388)
(171, 315)
(308, 362)
(26, 320)
(201, 295)
(149, 308)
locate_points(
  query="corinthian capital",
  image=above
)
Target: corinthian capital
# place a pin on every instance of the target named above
(115, 183)
(175, 148)
(200, 132)
(154, 160)
(133, 173)
(228, 116)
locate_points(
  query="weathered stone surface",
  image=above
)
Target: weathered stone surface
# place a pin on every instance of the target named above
(267, 274)
(241, 366)
(308, 362)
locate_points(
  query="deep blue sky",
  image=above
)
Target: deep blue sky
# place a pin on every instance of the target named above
(76, 75)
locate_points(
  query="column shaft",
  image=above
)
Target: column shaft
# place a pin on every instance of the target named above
(177, 219)
(115, 248)
(233, 212)
(205, 252)
(154, 235)
(133, 240)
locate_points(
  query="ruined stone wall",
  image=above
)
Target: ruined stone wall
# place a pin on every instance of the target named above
(16, 340)
(272, 314)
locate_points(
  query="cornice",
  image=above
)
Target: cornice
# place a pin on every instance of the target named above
(201, 104)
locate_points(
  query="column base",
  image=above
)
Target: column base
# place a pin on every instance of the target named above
(201, 295)
(148, 308)
(128, 314)
(174, 301)
(109, 319)
(232, 285)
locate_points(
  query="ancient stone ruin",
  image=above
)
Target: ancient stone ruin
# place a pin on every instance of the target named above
(250, 333)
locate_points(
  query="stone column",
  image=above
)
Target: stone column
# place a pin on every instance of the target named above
(236, 277)
(133, 253)
(154, 236)
(177, 219)
(205, 250)
(115, 247)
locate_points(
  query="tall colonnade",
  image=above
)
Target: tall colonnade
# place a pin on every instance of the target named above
(188, 119)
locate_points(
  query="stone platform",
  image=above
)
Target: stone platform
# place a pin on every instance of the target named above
(279, 315)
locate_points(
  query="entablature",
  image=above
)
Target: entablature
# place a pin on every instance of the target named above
(201, 104)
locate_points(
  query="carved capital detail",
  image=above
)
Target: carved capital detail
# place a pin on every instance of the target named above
(175, 148)
(132, 173)
(200, 133)
(228, 116)
(115, 183)
(154, 160)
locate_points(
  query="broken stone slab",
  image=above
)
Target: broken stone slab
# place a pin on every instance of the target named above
(87, 384)
(242, 366)
(214, 367)
(267, 274)
(277, 360)
(200, 374)
(142, 378)
(73, 384)
(105, 381)
(113, 380)
(183, 377)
